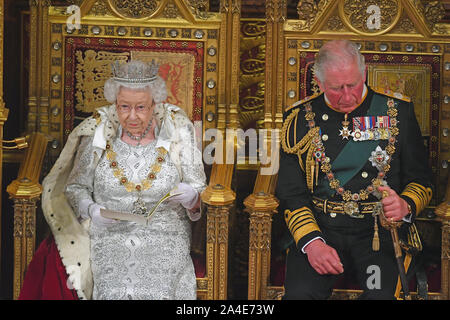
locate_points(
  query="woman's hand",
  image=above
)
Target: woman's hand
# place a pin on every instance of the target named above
(189, 198)
(97, 218)
(186, 195)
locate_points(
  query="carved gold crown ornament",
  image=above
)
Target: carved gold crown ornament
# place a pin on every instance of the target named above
(135, 71)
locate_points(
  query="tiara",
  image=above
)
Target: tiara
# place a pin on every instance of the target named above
(135, 71)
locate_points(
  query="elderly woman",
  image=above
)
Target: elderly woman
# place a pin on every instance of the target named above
(126, 157)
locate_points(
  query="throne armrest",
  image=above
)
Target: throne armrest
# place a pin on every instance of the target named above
(218, 198)
(25, 192)
(443, 213)
(261, 205)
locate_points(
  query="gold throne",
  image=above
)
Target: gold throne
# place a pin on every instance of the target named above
(406, 51)
(71, 49)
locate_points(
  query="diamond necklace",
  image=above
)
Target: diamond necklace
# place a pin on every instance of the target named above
(139, 138)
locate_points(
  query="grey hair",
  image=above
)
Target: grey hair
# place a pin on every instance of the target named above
(337, 52)
(157, 89)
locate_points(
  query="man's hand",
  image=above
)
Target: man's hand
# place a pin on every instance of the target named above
(395, 208)
(323, 258)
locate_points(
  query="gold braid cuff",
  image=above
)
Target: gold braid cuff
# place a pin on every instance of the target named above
(419, 194)
(300, 222)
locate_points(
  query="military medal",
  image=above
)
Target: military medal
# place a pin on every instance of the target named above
(364, 128)
(344, 132)
(372, 128)
(357, 135)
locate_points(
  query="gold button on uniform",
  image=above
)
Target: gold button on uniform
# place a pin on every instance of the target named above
(325, 117)
(324, 137)
(364, 174)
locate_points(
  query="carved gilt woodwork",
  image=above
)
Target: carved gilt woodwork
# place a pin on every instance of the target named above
(406, 47)
(25, 192)
(252, 72)
(198, 54)
(3, 110)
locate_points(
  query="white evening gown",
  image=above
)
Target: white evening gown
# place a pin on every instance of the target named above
(129, 260)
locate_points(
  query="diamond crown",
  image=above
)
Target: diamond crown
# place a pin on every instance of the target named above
(135, 71)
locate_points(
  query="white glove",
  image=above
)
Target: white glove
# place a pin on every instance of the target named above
(96, 217)
(187, 197)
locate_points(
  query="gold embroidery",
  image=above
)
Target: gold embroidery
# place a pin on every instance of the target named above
(300, 222)
(419, 194)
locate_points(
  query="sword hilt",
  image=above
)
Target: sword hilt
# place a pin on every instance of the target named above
(393, 226)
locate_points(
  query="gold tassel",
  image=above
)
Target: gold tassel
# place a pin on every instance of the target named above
(376, 238)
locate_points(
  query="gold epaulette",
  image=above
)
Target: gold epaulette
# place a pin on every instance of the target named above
(392, 94)
(290, 125)
(300, 102)
(289, 130)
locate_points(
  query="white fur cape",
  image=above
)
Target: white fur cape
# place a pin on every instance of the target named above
(71, 236)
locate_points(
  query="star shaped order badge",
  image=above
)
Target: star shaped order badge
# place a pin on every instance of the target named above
(344, 132)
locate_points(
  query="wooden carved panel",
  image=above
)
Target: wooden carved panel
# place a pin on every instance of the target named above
(135, 8)
(252, 72)
(358, 13)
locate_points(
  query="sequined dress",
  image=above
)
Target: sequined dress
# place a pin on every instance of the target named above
(129, 260)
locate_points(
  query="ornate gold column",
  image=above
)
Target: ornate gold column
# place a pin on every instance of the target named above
(25, 192)
(261, 206)
(218, 196)
(445, 258)
(38, 98)
(274, 100)
(443, 213)
(218, 199)
(229, 64)
(233, 121)
(3, 111)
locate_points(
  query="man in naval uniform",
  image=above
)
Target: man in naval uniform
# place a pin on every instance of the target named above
(345, 154)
